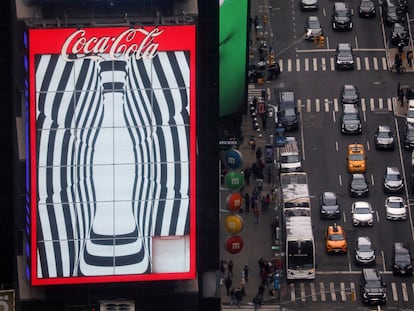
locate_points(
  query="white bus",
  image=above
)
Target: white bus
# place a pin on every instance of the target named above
(299, 240)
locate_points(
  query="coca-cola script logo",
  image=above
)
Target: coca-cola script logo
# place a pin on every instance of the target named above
(127, 44)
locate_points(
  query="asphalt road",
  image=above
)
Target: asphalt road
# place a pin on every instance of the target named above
(307, 70)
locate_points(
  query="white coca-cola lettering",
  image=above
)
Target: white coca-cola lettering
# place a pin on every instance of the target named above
(127, 44)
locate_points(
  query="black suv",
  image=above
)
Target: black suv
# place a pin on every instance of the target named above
(350, 119)
(401, 259)
(344, 56)
(287, 111)
(358, 186)
(372, 287)
(341, 16)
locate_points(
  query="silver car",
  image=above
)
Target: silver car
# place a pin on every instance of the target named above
(362, 214)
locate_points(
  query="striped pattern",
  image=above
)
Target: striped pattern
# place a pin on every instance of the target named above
(113, 162)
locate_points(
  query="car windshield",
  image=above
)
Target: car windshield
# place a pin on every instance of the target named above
(402, 257)
(385, 134)
(356, 157)
(365, 247)
(330, 202)
(342, 13)
(395, 204)
(350, 92)
(393, 177)
(314, 24)
(288, 112)
(362, 210)
(290, 158)
(373, 284)
(335, 237)
(350, 116)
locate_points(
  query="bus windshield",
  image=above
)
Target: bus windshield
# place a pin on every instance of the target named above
(300, 255)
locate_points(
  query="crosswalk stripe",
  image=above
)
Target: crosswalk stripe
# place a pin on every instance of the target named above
(326, 105)
(323, 64)
(366, 63)
(313, 292)
(332, 60)
(308, 105)
(315, 64)
(289, 65)
(297, 64)
(332, 290)
(384, 64)
(363, 106)
(372, 104)
(318, 105)
(306, 64)
(375, 60)
(394, 291)
(336, 107)
(353, 288)
(389, 102)
(343, 294)
(302, 292)
(404, 291)
(299, 104)
(281, 64)
(381, 103)
(292, 292)
(322, 290)
(358, 63)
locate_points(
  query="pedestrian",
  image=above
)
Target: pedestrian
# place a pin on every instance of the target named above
(401, 97)
(254, 169)
(256, 23)
(247, 202)
(232, 296)
(263, 203)
(246, 272)
(230, 268)
(223, 265)
(238, 295)
(252, 143)
(261, 263)
(228, 283)
(259, 154)
(267, 202)
(253, 201)
(247, 173)
(410, 58)
(256, 214)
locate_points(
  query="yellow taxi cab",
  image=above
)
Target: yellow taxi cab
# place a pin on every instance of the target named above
(336, 239)
(356, 158)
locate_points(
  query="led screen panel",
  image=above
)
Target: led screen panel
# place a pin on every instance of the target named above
(233, 16)
(112, 157)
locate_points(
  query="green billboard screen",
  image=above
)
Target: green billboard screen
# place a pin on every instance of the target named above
(233, 55)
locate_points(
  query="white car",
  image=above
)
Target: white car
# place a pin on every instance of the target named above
(362, 214)
(395, 208)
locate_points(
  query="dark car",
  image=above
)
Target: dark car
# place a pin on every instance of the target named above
(288, 114)
(341, 16)
(358, 186)
(392, 13)
(393, 182)
(364, 251)
(349, 94)
(384, 137)
(309, 5)
(263, 69)
(350, 119)
(401, 259)
(372, 288)
(344, 56)
(399, 33)
(329, 206)
(409, 136)
(313, 28)
(367, 8)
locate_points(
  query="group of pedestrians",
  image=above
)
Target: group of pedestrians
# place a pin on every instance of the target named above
(236, 293)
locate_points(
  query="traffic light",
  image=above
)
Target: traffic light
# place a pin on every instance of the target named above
(321, 41)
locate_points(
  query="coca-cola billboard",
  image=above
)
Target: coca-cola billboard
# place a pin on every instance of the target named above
(112, 158)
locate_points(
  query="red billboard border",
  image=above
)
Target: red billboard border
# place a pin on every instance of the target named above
(174, 38)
